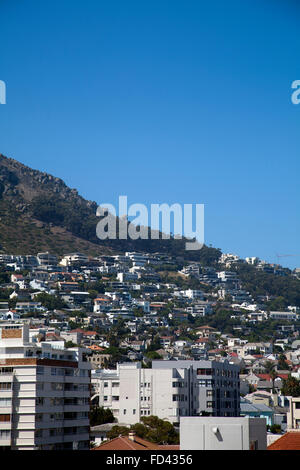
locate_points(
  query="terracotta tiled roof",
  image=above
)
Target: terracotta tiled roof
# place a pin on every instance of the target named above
(268, 377)
(289, 441)
(124, 443)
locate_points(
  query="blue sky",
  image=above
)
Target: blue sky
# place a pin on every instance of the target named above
(163, 101)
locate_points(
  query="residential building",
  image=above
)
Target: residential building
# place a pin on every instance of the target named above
(44, 393)
(169, 389)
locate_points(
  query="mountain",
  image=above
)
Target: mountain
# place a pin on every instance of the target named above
(39, 212)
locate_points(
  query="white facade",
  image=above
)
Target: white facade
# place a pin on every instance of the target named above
(193, 294)
(283, 316)
(44, 394)
(214, 433)
(169, 390)
(74, 258)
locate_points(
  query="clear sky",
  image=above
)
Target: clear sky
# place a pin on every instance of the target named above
(163, 101)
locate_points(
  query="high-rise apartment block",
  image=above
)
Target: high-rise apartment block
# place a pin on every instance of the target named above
(44, 393)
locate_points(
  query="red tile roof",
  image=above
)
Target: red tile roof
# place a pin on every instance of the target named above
(268, 377)
(124, 443)
(289, 441)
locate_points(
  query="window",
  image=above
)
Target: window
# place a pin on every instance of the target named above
(56, 386)
(39, 401)
(209, 393)
(210, 404)
(204, 372)
(39, 417)
(4, 434)
(105, 384)
(115, 398)
(5, 385)
(5, 402)
(6, 370)
(202, 383)
(4, 418)
(115, 384)
(134, 411)
(124, 412)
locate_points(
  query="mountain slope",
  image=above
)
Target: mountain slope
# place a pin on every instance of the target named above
(40, 212)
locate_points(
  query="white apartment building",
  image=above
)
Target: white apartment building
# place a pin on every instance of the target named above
(252, 260)
(47, 259)
(44, 393)
(193, 294)
(283, 316)
(200, 309)
(128, 276)
(252, 348)
(293, 415)
(169, 389)
(138, 259)
(227, 276)
(74, 258)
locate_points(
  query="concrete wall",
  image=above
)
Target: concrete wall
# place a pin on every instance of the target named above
(214, 433)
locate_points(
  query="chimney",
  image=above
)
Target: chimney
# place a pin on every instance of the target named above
(131, 435)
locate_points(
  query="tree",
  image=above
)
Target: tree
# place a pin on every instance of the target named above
(282, 364)
(291, 387)
(275, 428)
(101, 415)
(50, 302)
(151, 428)
(152, 355)
(70, 344)
(159, 430)
(117, 431)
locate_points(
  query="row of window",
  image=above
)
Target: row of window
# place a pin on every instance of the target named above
(5, 385)
(68, 372)
(5, 402)
(218, 372)
(179, 397)
(114, 398)
(4, 434)
(6, 370)
(62, 401)
(179, 384)
(113, 384)
(61, 416)
(61, 431)
(4, 418)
